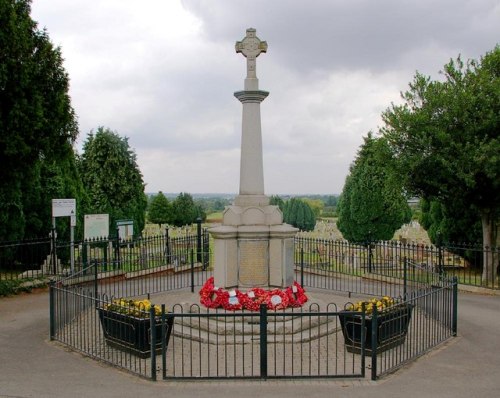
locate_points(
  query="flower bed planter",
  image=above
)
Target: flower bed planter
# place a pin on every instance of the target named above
(392, 327)
(132, 334)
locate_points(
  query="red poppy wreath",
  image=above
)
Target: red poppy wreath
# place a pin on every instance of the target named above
(234, 299)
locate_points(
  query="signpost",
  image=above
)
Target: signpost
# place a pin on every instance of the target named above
(65, 208)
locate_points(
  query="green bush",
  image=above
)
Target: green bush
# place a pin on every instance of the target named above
(9, 287)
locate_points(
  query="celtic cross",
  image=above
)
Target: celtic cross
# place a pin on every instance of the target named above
(251, 47)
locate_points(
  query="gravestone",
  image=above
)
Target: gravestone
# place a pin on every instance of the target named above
(252, 247)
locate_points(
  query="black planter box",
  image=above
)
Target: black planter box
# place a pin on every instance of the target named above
(132, 334)
(392, 328)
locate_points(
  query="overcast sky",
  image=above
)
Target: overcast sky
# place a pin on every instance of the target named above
(163, 73)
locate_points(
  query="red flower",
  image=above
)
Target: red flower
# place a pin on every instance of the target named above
(233, 300)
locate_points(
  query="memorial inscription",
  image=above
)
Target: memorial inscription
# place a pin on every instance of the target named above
(253, 262)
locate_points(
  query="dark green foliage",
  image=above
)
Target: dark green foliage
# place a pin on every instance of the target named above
(372, 205)
(275, 200)
(159, 210)
(114, 183)
(298, 213)
(445, 137)
(37, 125)
(9, 287)
(185, 211)
(443, 225)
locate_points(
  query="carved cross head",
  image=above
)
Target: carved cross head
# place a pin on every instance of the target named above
(251, 47)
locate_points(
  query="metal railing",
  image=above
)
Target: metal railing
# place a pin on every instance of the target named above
(391, 259)
(304, 343)
(38, 259)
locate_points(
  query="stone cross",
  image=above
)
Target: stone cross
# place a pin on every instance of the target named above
(251, 47)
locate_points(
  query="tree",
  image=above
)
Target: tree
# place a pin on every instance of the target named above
(159, 210)
(37, 124)
(185, 212)
(275, 200)
(442, 224)
(372, 205)
(317, 205)
(299, 214)
(109, 170)
(445, 138)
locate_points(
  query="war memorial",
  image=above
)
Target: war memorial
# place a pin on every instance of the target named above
(249, 300)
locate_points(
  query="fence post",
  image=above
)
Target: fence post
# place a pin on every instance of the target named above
(440, 258)
(301, 266)
(53, 237)
(52, 327)
(206, 249)
(163, 343)
(96, 292)
(405, 276)
(117, 262)
(363, 338)
(152, 326)
(263, 341)
(167, 246)
(192, 271)
(454, 325)
(374, 342)
(369, 256)
(198, 239)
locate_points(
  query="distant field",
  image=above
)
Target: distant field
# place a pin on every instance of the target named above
(215, 217)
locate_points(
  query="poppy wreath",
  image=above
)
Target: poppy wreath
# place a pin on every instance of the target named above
(234, 299)
(254, 298)
(296, 295)
(277, 299)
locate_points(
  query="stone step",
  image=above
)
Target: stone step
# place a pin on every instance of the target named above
(212, 331)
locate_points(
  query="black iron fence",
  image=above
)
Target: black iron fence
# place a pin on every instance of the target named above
(319, 258)
(25, 259)
(49, 257)
(393, 259)
(189, 342)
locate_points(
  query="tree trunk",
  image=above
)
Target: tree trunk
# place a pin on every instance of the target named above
(490, 247)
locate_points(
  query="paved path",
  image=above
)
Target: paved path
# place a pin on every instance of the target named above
(31, 366)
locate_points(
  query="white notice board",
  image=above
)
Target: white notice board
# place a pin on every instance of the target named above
(96, 226)
(63, 207)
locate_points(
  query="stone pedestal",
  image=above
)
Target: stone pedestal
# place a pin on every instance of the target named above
(253, 248)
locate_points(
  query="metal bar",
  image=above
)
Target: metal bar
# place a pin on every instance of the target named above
(263, 341)
(52, 328)
(374, 343)
(163, 343)
(301, 266)
(405, 276)
(198, 239)
(96, 290)
(454, 326)
(152, 326)
(192, 271)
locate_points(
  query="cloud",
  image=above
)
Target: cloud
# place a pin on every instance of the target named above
(163, 74)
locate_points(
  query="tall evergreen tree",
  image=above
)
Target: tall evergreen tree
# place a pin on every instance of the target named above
(372, 205)
(185, 211)
(111, 175)
(160, 210)
(37, 124)
(298, 213)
